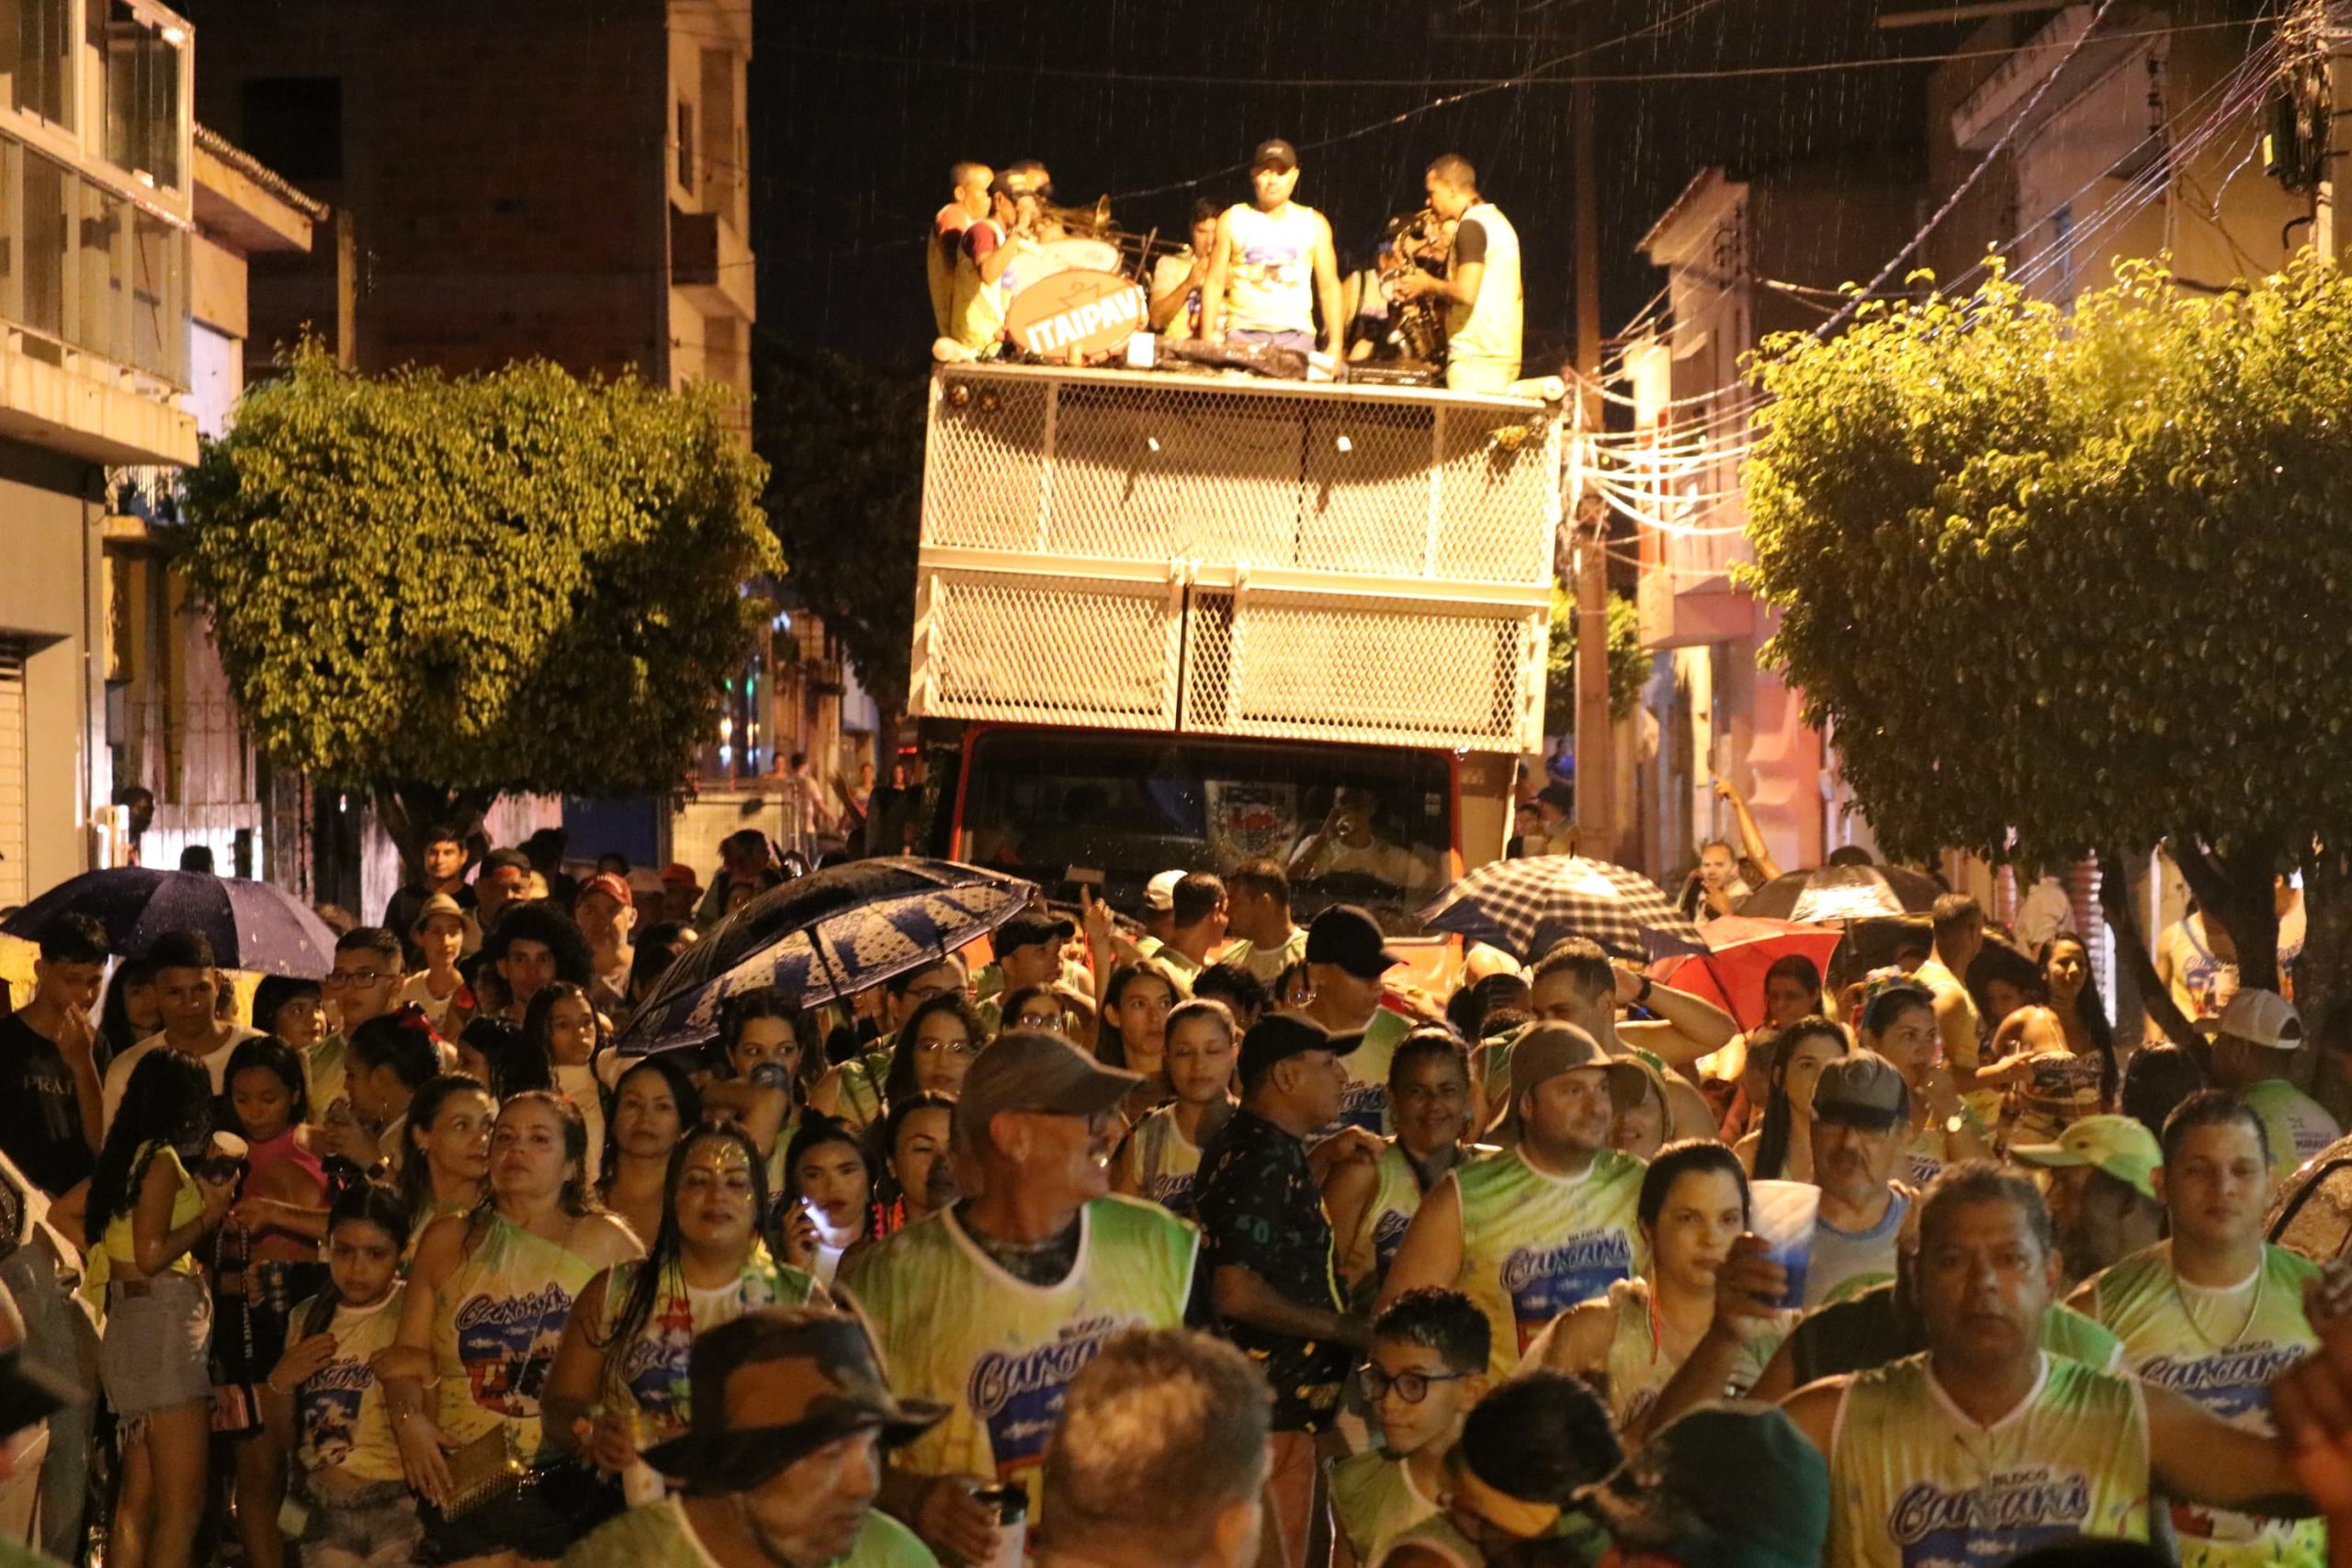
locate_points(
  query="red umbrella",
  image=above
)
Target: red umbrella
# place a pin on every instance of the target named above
(1740, 948)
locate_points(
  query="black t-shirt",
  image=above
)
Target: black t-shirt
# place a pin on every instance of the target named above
(1260, 1209)
(40, 1118)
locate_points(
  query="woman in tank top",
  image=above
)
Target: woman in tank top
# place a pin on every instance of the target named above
(487, 1299)
(448, 1169)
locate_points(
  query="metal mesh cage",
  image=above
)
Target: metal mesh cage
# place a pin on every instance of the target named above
(1047, 649)
(1372, 671)
(1385, 482)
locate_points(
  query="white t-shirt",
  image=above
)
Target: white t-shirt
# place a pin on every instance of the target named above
(119, 1071)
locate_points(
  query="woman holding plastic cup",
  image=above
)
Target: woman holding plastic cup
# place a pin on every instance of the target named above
(1782, 1148)
(1628, 1344)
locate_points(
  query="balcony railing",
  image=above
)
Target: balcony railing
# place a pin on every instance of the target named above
(84, 267)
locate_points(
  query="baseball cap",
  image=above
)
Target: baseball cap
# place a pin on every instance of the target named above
(612, 888)
(2121, 1145)
(439, 904)
(1863, 1088)
(2263, 1017)
(1159, 893)
(1346, 936)
(1032, 1070)
(1274, 150)
(1028, 931)
(1279, 1036)
(1544, 1051)
(808, 1376)
(1726, 1486)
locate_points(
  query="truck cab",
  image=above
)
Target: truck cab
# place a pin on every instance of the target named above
(1168, 620)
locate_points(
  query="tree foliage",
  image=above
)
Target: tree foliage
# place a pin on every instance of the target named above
(455, 587)
(2076, 581)
(844, 445)
(1629, 666)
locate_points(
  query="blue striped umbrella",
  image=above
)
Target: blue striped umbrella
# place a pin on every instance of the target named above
(251, 925)
(826, 935)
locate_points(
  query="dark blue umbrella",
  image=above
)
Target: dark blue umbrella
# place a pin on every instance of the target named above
(251, 925)
(826, 935)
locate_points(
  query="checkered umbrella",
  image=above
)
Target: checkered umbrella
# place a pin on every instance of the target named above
(1841, 893)
(1528, 906)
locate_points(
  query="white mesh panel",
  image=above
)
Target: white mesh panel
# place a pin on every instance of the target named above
(1045, 650)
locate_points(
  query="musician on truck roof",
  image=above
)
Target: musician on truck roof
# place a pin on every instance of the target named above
(1484, 304)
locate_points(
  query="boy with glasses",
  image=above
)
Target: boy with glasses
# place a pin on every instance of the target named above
(1427, 1368)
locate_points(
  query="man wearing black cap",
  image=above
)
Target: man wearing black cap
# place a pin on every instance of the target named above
(783, 1461)
(1028, 953)
(1273, 1269)
(1552, 1220)
(992, 1306)
(1347, 954)
(1272, 265)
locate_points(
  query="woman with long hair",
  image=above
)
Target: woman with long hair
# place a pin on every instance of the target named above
(149, 1216)
(1629, 1343)
(325, 1406)
(2055, 1059)
(488, 1298)
(1161, 1153)
(132, 1009)
(770, 1061)
(654, 1104)
(1898, 1021)
(911, 1147)
(936, 1048)
(265, 1260)
(619, 1381)
(293, 1007)
(828, 1204)
(446, 1169)
(657, 947)
(1780, 1149)
(562, 1024)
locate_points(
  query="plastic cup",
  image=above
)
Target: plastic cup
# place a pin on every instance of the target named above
(1783, 1212)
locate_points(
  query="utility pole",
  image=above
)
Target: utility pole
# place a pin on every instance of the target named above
(1595, 751)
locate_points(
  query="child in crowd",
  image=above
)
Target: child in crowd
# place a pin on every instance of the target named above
(349, 1503)
(1162, 1153)
(1428, 1368)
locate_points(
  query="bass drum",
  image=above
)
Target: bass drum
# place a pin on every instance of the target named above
(1073, 254)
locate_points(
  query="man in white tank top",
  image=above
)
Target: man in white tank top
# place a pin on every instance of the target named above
(1481, 291)
(1272, 266)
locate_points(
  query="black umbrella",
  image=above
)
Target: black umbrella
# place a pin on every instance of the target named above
(251, 925)
(826, 935)
(1842, 893)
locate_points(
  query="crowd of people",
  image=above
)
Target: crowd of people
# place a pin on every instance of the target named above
(1439, 290)
(1206, 1238)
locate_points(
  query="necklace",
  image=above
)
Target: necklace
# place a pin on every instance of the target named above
(2180, 1294)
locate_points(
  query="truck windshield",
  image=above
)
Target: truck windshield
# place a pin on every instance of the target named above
(1352, 825)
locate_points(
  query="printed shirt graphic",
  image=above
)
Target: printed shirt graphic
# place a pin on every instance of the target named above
(1270, 279)
(339, 1409)
(952, 1327)
(1260, 1210)
(2220, 1349)
(1916, 1484)
(1394, 1201)
(502, 1317)
(1364, 1102)
(650, 1371)
(1533, 1246)
(1161, 1161)
(2060, 1089)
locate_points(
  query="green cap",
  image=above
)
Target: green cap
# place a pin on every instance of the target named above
(1726, 1486)
(2121, 1145)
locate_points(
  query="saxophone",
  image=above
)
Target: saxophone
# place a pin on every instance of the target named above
(1423, 244)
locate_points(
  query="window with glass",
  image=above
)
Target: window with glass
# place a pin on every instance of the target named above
(37, 58)
(85, 267)
(143, 59)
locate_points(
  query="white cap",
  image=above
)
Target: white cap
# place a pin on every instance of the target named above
(1159, 893)
(2263, 1018)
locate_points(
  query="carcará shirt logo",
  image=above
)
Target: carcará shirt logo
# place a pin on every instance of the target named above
(330, 1399)
(1364, 1105)
(1544, 1281)
(1018, 1394)
(2011, 1513)
(1388, 1235)
(2230, 1384)
(506, 1344)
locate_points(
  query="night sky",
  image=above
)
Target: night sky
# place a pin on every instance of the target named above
(858, 106)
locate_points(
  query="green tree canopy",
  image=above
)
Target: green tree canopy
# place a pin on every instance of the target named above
(1629, 665)
(843, 445)
(444, 589)
(2076, 581)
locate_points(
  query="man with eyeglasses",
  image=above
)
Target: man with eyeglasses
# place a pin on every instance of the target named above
(367, 975)
(994, 1306)
(1274, 1276)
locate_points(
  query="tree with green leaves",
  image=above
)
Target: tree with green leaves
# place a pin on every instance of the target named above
(437, 590)
(2075, 582)
(1629, 663)
(843, 441)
